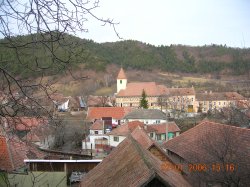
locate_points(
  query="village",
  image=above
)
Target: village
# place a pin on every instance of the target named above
(132, 138)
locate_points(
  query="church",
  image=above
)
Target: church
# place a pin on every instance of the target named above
(158, 96)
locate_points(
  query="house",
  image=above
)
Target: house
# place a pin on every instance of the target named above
(111, 115)
(209, 101)
(130, 164)
(117, 135)
(97, 138)
(158, 132)
(221, 152)
(146, 116)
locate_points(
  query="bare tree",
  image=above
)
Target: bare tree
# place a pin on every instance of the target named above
(32, 31)
(225, 159)
(45, 25)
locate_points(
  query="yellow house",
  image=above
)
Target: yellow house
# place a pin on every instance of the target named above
(217, 100)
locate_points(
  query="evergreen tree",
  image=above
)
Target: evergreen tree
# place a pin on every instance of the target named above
(144, 101)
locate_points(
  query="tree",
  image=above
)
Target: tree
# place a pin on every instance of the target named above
(35, 43)
(31, 31)
(144, 101)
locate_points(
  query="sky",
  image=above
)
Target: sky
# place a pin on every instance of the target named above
(166, 22)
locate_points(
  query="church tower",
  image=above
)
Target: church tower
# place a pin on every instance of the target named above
(121, 80)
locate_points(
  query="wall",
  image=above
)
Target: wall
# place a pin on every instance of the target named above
(114, 143)
(92, 138)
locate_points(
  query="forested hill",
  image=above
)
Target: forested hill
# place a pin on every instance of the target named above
(134, 54)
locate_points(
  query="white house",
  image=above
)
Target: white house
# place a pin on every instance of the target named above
(97, 137)
(117, 135)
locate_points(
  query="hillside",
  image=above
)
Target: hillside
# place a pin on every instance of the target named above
(213, 59)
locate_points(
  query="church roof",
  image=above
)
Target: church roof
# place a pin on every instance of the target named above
(121, 74)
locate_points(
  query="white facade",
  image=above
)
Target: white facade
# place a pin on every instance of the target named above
(93, 132)
(115, 140)
(92, 138)
(121, 84)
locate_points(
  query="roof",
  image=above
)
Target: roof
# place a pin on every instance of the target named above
(121, 74)
(137, 169)
(114, 112)
(161, 128)
(97, 125)
(181, 91)
(125, 129)
(13, 152)
(219, 96)
(136, 88)
(146, 114)
(196, 140)
(24, 123)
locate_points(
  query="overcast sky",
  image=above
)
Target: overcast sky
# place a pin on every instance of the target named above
(165, 22)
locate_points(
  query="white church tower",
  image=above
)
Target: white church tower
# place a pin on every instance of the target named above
(121, 81)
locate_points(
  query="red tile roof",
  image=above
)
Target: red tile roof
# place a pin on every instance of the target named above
(131, 165)
(181, 91)
(161, 128)
(121, 74)
(13, 152)
(136, 88)
(114, 112)
(219, 96)
(125, 129)
(97, 125)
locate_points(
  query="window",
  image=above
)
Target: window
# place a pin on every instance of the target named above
(192, 99)
(158, 137)
(96, 132)
(158, 121)
(116, 139)
(120, 81)
(151, 135)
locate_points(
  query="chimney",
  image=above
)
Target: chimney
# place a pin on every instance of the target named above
(145, 127)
